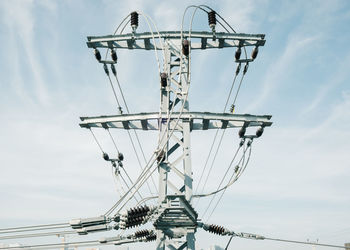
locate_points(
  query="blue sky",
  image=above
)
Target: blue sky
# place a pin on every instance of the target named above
(297, 183)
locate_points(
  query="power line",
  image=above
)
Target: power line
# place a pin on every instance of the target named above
(305, 242)
(55, 245)
(215, 136)
(33, 228)
(16, 236)
(222, 194)
(234, 157)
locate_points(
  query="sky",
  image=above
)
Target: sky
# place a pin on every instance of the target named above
(296, 185)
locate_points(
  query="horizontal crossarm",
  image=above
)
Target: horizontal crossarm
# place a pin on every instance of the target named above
(198, 121)
(199, 40)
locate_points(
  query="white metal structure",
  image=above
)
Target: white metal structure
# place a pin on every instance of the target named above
(176, 219)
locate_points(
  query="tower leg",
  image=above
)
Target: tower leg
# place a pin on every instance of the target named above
(190, 241)
(160, 240)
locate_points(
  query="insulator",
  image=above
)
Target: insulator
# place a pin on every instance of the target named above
(134, 222)
(114, 55)
(241, 132)
(97, 54)
(106, 69)
(255, 52)
(161, 156)
(130, 212)
(259, 132)
(232, 109)
(163, 79)
(185, 47)
(216, 229)
(152, 237)
(238, 68)
(241, 142)
(113, 70)
(142, 233)
(238, 53)
(120, 110)
(105, 156)
(245, 68)
(138, 211)
(212, 18)
(120, 156)
(134, 19)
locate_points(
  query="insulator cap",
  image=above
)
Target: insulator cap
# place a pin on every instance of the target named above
(260, 131)
(97, 54)
(113, 70)
(255, 52)
(105, 156)
(238, 53)
(241, 132)
(134, 19)
(212, 18)
(164, 80)
(215, 229)
(185, 47)
(114, 55)
(120, 156)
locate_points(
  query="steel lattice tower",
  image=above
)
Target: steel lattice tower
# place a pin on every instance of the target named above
(175, 219)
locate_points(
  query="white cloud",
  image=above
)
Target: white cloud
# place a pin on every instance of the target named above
(338, 78)
(279, 68)
(21, 24)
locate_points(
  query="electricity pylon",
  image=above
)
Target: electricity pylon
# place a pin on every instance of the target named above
(175, 219)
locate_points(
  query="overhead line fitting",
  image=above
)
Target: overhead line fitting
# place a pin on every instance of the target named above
(89, 225)
(145, 235)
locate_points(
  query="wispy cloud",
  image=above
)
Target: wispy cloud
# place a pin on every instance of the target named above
(340, 76)
(21, 24)
(279, 68)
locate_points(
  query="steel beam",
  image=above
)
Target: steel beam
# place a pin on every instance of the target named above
(199, 40)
